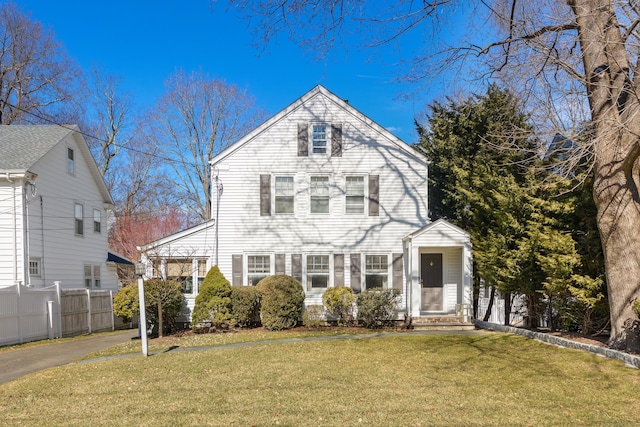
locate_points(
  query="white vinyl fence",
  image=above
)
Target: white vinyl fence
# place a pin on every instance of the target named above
(28, 314)
(497, 311)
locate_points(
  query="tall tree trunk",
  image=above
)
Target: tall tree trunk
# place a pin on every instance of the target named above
(507, 309)
(487, 315)
(614, 109)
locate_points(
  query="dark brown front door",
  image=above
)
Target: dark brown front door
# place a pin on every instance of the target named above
(431, 280)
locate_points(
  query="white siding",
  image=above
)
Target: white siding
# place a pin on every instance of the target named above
(366, 151)
(11, 232)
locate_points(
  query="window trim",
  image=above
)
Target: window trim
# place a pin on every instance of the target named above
(78, 224)
(35, 267)
(71, 165)
(308, 275)
(327, 139)
(327, 179)
(97, 225)
(92, 280)
(248, 274)
(384, 275)
(293, 194)
(365, 190)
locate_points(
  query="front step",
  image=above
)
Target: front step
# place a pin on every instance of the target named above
(441, 323)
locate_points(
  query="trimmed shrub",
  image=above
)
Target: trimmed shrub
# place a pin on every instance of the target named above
(245, 306)
(377, 308)
(125, 303)
(282, 301)
(213, 303)
(339, 303)
(312, 316)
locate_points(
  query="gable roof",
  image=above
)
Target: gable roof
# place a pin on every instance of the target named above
(434, 225)
(177, 236)
(22, 146)
(318, 90)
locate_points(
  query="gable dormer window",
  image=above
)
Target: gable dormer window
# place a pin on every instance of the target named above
(319, 139)
(71, 168)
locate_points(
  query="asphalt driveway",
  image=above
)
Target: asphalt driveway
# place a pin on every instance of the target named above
(17, 363)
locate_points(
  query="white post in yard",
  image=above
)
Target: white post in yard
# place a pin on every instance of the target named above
(143, 316)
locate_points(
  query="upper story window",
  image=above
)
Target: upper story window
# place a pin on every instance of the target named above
(97, 221)
(317, 272)
(376, 269)
(284, 195)
(319, 194)
(354, 191)
(258, 267)
(79, 219)
(319, 139)
(71, 168)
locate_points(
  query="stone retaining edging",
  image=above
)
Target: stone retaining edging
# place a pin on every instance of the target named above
(628, 359)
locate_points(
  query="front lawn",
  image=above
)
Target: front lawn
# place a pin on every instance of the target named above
(409, 380)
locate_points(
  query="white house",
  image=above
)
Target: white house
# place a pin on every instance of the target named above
(323, 193)
(53, 210)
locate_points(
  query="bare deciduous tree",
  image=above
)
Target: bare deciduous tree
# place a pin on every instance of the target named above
(565, 58)
(197, 118)
(37, 80)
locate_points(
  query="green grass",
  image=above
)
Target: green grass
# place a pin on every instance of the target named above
(411, 380)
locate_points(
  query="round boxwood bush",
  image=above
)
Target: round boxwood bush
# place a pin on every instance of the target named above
(339, 303)
(213, 303)
(281, 300)
(245, 305)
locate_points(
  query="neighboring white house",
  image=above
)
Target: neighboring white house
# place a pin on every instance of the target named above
(53, 210)
(323, 193)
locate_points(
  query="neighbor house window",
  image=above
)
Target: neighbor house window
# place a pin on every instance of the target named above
(319, 191)
(284, 194)
(92, 278)
(88, 276)
(34, 266)
(181, 270)
(97, 220)
(71, 168)
(376, 271)
(319, 139)
(96, 276)
(79, 219)
(354, 191)
(258, 267)
(317, 272)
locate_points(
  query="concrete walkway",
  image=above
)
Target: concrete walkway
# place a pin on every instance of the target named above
(17, 363)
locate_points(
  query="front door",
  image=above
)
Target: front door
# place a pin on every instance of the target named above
(431, 281)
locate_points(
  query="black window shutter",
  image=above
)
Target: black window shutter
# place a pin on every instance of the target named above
(355, 273)
(397, 271)
(296, 266)
(265, 195)
(338, 270)
(303, 139)
(374, 195)
(236, 267)
(280, 262)
(336, 140)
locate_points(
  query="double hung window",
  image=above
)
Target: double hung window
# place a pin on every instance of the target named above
(319, 139)
(181, 270)
(354, 191)
(258, 267)
(79, 219)
(376, 271)
(284, 194)
(317, 272)
(97, 221)
(319, 191)
(71, 168)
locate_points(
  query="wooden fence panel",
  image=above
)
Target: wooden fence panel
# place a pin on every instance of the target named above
(74, 312)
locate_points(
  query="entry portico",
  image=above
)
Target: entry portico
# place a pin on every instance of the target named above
(438, 269)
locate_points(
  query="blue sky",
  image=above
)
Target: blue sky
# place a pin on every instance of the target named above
(144, 41)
